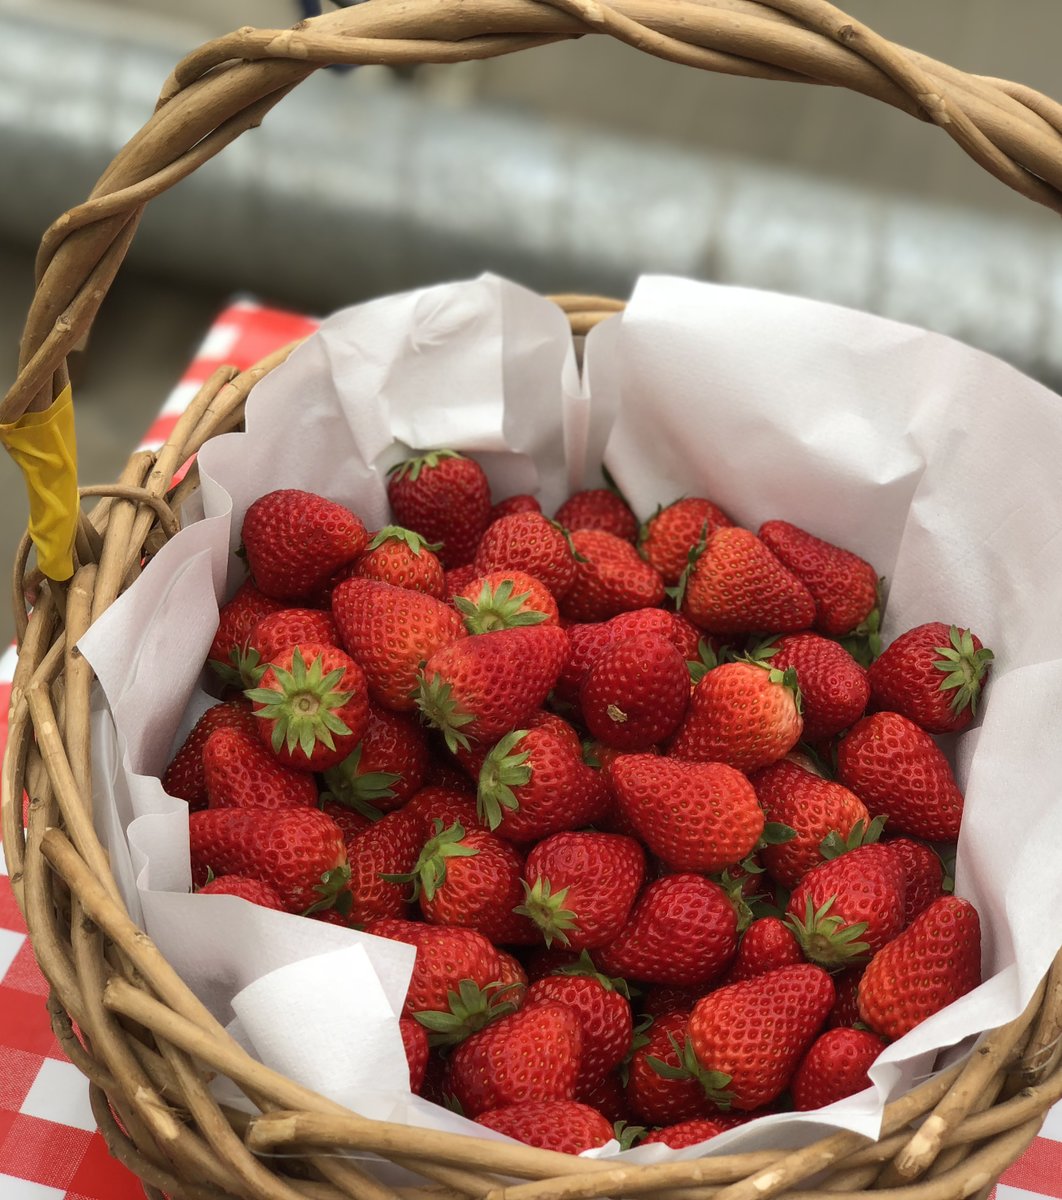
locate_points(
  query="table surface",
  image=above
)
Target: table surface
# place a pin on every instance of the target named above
(49, 1146)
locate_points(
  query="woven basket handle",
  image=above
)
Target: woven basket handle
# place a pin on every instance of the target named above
(228, 85)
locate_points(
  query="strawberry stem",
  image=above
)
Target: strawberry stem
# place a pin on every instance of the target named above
(502, 770)
(497, 608)
(545, 907)
(301, 703)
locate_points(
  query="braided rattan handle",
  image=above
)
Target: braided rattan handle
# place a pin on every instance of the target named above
(228, 86)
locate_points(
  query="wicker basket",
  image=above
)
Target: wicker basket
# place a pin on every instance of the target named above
(146, 1043)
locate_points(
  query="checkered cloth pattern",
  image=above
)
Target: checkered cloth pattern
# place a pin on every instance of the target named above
(49, 1147)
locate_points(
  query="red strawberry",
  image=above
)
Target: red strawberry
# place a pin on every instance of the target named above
(236, 619)
(847, 909)
(436, 802)
(313, 706)
(296, 540)
(514, 504)
(504, 599)
(844, 586)
(389, 847)
(299, 851)
(834, 688)
(610, 578)
(755, 1033)
(608, 1097)
(924, 873)
(513, 978)
(694, 816)
(663, 998)
(415, 1043)
(598, 508)
(403, 558)
(281, 631)
(812, 806)
(742, 714)
(836, 1066)
(692, 1133)
(534, 783)
(663, 1085)
(580, 887)
(933, 962)
(736, 585)
(445, 497)
(845, 1011)
(682, 930)
(587, 641)
(386, 768)
(445, 956)
(899, 772)
(246, 888)
(533, 1054)
(241, 773)
(350, 821)
(481, 687)
(562, 1125)
(933, 675)
(667, 538)
(529, 542)
(458, 579)
(604, 1014)
(766, 945)
(635, 692)
(389, 632)
(184, 777)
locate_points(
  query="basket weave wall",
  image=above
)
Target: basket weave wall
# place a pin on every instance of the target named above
(145, 1042)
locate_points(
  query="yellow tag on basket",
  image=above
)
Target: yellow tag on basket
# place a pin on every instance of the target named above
(43, 445)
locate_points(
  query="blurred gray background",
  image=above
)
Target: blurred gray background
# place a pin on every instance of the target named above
(574, 167)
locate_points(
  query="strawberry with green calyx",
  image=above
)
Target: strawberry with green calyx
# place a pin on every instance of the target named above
(271, 636)
(635, 692)
(387, 850)
(295, 541)
(708, 658)
(604, 1014)
(185, 777)
(415, 1043)
(933, 675)
(236, 619)
(664, 1085)
(742, 714)
(610, 578)
(505, 600)
(471, 1008)
(667, 538)
(313, 706)
(386, 768)
(565, 1126)
(446, 498)
(367, 792)
(483, 686)
(579, 887)
(389, 631)
(932, 963)
(531, 543)
(239, 772)
(834, 1067)
(754, 1033)
(601, 509)
(834, 688)
(403, 558)
(864, 642)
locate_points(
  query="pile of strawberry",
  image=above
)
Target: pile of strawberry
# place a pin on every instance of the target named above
(667, 835)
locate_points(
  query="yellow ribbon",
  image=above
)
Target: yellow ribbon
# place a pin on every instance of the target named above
(43, 445)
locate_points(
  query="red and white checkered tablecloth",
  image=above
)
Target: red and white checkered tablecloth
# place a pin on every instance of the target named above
(49, 1147)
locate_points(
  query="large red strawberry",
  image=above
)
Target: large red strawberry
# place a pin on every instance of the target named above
(389, 847)
(580, 887)
(834, 688)
(533, 1054)
(610, 578)
(241, 773)
(313, 706)
(184, 777)
(483, 686)
(529, 542)
(445, 497)
(933, 675)
(693, 816)
(667, 538)
(753, 1034)
(736, 585)
(246, 888)
(836, 1066)
(598, 508)
(742, 714)
(933, 962)
(664, 1084)
(504, 599)
(236, 618)
(401, 557)
(924, 873)
(767, 944)
(389, 631)
(844, 586)
(604, 1014)
(386, 768)
(636, 692)
(565, 1126)
(682, 930)
(899, 772)
(299, 851)
(296, 540)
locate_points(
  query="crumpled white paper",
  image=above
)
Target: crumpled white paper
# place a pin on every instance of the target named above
(934, 461)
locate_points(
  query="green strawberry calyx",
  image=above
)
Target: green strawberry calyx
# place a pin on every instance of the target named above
(472, 1008)
(243, 670)
(334, 890)
(746, 907)
(546, 908)
(413, 466)
(862, 833)
(356, 789)
(627, 1135)
(435, 699)
(678, 593)
(502, 770)
(706, 660)
(964, 669)
(830, 941)
(301, 703)
(584, 967)
(429, 873)
(397, 533)
(715, 1083)
(864, 642)
(497, 608)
